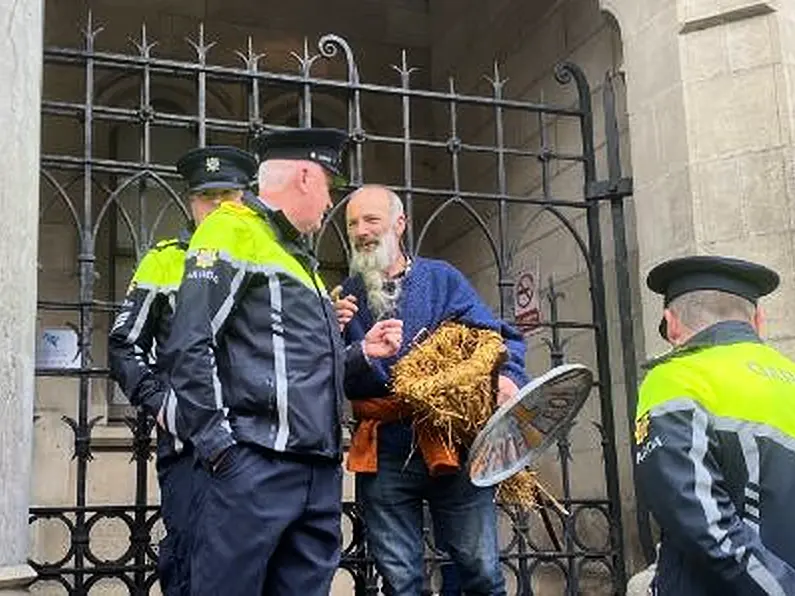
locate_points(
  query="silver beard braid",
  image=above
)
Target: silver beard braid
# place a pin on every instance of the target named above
(372, 267)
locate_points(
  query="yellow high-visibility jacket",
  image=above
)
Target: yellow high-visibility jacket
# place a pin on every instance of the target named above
(715, 462)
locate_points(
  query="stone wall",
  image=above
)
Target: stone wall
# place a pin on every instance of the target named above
(21, 74)
(739, 110)
(711, 118)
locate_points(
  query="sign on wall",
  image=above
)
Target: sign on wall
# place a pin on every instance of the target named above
(527, 306)
(57, 348)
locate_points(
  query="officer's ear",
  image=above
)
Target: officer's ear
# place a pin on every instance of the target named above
(675, 330)
(304, 178)
(400, 226)
(759, 321)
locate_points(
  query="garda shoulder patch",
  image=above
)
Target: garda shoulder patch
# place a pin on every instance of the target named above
(642, 428)
(206, 257)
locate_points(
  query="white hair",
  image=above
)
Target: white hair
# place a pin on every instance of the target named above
(274, 174)
(381, 297)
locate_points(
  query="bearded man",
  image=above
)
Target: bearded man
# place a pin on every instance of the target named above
(393, 478)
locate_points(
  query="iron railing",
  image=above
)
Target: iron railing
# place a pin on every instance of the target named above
(93, 185)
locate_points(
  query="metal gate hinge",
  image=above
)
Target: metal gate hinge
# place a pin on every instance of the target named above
(609, 189)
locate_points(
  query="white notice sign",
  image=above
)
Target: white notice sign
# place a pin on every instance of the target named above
(57, 348)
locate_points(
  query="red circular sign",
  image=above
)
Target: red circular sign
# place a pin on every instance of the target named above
(525, 289)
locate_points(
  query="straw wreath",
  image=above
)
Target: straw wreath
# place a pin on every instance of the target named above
(449, 381)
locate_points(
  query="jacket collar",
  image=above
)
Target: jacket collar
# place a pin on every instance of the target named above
(288, 235)
(719, 334)
(724, 333)
(284, 229)
(184, 236)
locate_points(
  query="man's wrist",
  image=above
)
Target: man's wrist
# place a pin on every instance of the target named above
(366, 356)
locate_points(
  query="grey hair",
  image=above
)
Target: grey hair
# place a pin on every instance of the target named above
(395, 204)
(698, 310)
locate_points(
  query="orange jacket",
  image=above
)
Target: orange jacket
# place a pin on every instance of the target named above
(370, 414)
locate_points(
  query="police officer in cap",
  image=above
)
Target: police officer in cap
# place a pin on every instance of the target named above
(258, 369)
(213, 174)
(715, 435)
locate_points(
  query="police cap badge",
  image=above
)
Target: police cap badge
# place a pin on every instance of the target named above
(217, 166)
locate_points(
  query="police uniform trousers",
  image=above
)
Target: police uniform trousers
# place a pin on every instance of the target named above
(181, 491)
(269, 525)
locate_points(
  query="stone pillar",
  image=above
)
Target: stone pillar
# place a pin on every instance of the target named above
(20, 73)
(710, 87)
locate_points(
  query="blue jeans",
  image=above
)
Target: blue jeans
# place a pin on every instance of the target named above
(465, 519)
(451, 580)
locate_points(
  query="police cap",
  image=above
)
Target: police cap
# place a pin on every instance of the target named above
(324, 146)
(688, 274)
(217, 166)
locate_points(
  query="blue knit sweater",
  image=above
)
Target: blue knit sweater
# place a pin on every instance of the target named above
(433, 292)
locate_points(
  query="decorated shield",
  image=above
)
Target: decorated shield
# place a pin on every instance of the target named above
(524, 426)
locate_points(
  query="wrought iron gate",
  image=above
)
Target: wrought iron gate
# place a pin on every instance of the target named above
(105, 191)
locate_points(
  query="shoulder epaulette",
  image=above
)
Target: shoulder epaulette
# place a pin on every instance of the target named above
(233, 207)
(167, 243)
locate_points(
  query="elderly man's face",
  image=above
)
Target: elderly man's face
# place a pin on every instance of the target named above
(368, 219)
(374, 233)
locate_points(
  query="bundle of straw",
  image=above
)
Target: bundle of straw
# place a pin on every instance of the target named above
(449, 381)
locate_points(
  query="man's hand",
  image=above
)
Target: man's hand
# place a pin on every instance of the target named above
(344, 307)
(506, 389)
(384, 339)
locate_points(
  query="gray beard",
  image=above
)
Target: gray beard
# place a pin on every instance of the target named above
(372, 267)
